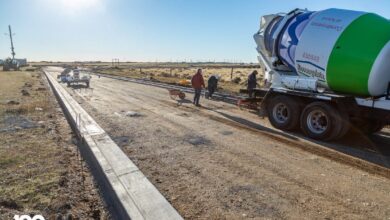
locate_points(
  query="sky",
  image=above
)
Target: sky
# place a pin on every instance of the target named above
(147, 30)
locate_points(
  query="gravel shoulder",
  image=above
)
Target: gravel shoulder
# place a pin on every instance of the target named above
(40, 167)
(210, 169)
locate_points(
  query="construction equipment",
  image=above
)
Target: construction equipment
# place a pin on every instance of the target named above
(12, 42)
(325, 71)
(11, 63)
(184, 82)
(175, 93)
(249, 103)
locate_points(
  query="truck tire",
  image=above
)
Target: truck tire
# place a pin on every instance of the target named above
(345, 128)
(321, 121)
(283, 112)
(345, 124)
(369, 126)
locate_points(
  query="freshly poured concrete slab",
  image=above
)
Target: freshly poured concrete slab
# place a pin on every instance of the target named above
(128, 193)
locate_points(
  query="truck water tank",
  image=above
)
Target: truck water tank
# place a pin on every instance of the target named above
(347, 51)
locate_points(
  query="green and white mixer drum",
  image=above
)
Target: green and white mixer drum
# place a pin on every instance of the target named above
(345, 51)
(348, 51)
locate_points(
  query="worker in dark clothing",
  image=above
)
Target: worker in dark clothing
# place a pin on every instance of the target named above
(212, 85)
(197, 82)
(252, 83)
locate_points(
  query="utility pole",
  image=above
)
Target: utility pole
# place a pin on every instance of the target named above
(12, 43)
(115, 62)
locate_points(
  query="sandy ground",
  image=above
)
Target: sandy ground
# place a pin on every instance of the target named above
(208, 167)
(41, 171)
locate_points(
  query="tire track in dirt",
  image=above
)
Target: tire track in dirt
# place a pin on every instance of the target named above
(320, 151)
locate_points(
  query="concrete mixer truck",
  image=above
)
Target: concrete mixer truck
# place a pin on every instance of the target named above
(325, 71)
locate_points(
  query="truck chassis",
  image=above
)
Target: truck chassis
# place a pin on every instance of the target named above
(322, 116)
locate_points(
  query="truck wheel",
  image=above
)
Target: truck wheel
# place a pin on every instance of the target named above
(369, 126)
(322, 121)
(182, 95)
(345, 127)
(283, 112)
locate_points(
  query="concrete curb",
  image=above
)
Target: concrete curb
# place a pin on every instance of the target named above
(127, 192)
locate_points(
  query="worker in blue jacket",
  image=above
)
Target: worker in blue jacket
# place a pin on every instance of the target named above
(212, 85)
(252, 83)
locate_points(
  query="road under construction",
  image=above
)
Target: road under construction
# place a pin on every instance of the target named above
(222, 161)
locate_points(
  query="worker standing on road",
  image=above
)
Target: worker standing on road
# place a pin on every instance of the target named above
(252, 82)
(212, 85)
(197, 82)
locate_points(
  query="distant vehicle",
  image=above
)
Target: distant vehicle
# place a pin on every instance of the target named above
(75, 78)
(64, 75)
(76, 74)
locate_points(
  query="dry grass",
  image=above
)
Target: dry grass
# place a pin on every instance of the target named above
(28, 164)
(229, 83)
(11, 86)
(142, 64)
(38, 164)
(172, 72)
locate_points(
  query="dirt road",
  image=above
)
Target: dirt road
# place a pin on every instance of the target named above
(210, 167)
